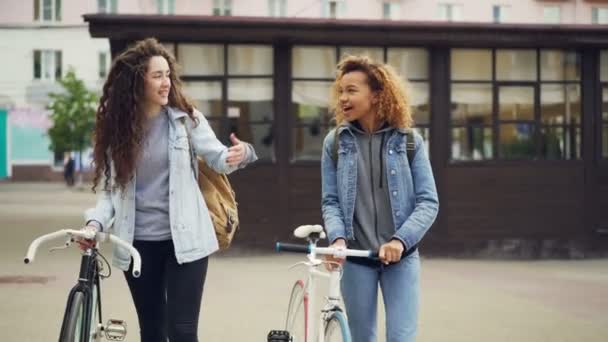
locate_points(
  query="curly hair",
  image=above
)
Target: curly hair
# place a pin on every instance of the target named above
(393, 98)
(119, 128)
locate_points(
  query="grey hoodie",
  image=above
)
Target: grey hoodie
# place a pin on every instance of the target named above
(373, 220)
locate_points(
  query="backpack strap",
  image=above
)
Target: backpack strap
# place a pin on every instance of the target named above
(410, 145)
(334, 148)
(193, 158)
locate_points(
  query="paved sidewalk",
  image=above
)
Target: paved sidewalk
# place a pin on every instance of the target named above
(246, 295)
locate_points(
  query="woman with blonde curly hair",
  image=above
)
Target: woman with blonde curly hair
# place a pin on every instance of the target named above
(374, 197)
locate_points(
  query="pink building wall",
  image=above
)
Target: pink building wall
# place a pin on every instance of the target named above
(19, 12)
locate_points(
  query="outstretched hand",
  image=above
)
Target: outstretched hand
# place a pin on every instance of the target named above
(236, 153)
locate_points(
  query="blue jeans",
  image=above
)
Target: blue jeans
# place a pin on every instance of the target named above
(400, 290)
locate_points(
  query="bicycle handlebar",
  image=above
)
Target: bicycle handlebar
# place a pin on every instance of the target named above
(99, 236)
(336, 252)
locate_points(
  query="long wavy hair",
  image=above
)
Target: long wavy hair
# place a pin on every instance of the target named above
(393, 97)
(119, 128)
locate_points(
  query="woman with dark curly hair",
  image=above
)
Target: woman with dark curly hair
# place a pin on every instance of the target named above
(378, 194)
(143, 138)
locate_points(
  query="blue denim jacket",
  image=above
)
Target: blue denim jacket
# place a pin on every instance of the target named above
(413, 196)
(191, 227)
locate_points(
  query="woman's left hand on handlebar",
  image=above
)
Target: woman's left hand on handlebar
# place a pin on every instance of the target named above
(391, 252)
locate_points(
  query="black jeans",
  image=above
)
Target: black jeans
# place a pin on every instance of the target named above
(167, 295)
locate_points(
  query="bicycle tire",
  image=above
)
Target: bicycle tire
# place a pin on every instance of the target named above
(336, 328)
(71, 326)
(296, 322)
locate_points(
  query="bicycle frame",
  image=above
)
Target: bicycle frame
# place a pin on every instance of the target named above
(89, 285)
(333, 298)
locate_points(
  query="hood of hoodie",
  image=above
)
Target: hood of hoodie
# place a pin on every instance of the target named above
(373, 221)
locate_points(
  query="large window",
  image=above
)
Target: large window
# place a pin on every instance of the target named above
(47, 65)
(333, 8)
(599, 15)
(552, 14)
(449, 12)
(515, 104)
(232, 85)
(500, 13)
(604, 120)
(47, 10)
(107, 6)
(222, 7)
(313, 72)
(277, 8)
(391, 10)
(165, 6)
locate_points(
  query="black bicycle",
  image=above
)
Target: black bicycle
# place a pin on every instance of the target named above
(82, 321)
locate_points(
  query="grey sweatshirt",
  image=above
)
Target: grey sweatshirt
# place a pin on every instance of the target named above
(152, 183)
(373, 220)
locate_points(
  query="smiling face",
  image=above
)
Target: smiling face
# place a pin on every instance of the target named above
(356, 98)
(157, 84)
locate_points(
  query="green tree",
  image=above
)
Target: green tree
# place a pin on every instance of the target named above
(73, 116)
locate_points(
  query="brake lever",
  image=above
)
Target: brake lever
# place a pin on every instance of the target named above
(67, 244)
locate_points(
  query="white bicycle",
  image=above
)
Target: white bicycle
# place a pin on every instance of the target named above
(299, 327)
(82, 321)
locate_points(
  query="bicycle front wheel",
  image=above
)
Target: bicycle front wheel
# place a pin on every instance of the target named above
(297, 313)
(72, 321)
(336, 328)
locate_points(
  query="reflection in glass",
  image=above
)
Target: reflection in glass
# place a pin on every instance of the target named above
(471, 143)
(471, 64)
(605, 141)
(558, 65)
(170, 47)
(206, 97)
(425, 132)
(552, 143)
(605, 104)
(260, 135)
(312, 118)
(313, 62)
(471, 103)
(250, 113)
(307, 141)
(311, 101)
(410, 63)
(201, 59)
(516, 103)
(517, 141)
(419, 101)
(560, 104)
(516, 65)
(604, 66)
(250, 60)
(376, 54)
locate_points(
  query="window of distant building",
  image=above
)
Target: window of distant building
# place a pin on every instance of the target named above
(277, 8)
(107, 6)
(552, 14)
(450, 12)
(47, 10)
(47, 65)
(165, 6)
(599, 15)
(390, 10)
(500, 13)
(222, 7)
(333, 8)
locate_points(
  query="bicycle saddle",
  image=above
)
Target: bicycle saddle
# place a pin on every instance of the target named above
(305, 231)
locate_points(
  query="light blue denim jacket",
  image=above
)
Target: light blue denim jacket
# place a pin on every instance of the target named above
(413, 196)
(191, 227)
